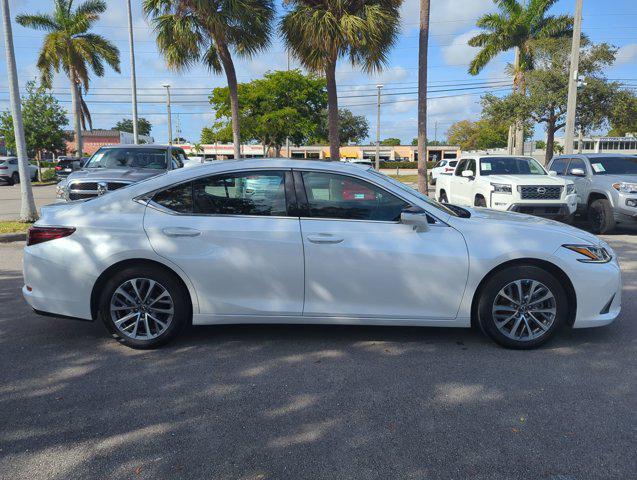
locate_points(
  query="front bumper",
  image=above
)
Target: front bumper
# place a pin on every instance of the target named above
(560, 208)
(624, 212)
(542, 210)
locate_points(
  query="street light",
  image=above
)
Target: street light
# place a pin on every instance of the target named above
(379, 87)
(170, 126)
(132, 73)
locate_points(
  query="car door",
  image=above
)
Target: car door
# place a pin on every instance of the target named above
(582, 183)
(455, 183)
(462, 185)
(360, 261)
(234, 236)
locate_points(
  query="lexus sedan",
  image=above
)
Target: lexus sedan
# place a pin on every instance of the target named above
(297, 241)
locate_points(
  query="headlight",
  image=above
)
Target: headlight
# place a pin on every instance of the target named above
(625, 187)
(592, 253)
(501, 188)
(570, 188)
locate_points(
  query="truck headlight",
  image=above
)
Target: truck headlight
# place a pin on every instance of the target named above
(625, 187)
(501, 188)
(570, 188)
(591, 253)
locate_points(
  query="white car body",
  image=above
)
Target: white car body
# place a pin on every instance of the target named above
(291, 269)
(9, 170)
(443, 167)
(537, 194)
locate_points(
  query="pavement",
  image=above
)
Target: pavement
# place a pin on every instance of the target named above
(10, 199)
(314, 402)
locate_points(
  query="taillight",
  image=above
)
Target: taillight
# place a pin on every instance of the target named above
(44, 234)
(58, 167)
(3, 168)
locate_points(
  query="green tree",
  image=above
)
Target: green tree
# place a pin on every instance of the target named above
(392, 142)
(480, 135)
(44, 120)
(69, 47)
(282, 104)
(351, 128)
(517, 26)
(144, 127)
(430, 143)
(208, 31)
(219, 132)
(319, 33)
(623, 116)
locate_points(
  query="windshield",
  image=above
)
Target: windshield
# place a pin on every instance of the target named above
(153, 158)
(405, 188)
(614, 165)
(510, 166)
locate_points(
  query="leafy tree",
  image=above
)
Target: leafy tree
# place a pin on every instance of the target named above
(319, 33)
(540, 144)
(144, 127)
(219, 132)
(480, 135)
(208, 31)
(547, 85)
(623, 117)
(70, 47)
(351, 128)
(392, 142)
(282, 104)
(430, 143)
(44, 120)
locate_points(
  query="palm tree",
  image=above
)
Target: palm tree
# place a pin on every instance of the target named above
(68, 46)
(191, 31)
(318, 33)
(517, 26)
(423, 46)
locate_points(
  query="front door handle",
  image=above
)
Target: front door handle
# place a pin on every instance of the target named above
(180, 232)
(324, 238)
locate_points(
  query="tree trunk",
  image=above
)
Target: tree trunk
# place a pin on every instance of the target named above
(77, 122)
(423, 45)
(550, 142)
(519, 127)
(231, 76)
(38, 159)
(332, 111)
(28, 212)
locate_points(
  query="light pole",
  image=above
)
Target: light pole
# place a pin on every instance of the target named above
(132, 72)
(170, 126)
(571, 106)
(379, 87)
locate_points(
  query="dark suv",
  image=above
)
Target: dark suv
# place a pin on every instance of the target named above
(66, 166)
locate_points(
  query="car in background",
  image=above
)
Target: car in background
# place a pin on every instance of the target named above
(9, 170)
(606, 187)
(306, 242)
(507, 182)
(116, 166)
(67, 165)
(443, 167)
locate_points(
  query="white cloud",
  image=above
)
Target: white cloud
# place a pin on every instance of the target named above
(447, 16)
(627, 54)
(459, 52)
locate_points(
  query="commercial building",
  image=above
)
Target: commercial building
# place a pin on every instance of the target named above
(94, 139)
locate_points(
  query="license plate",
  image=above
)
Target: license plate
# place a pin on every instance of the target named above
(68, 169)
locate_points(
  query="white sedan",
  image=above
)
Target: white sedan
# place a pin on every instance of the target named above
(297, 241)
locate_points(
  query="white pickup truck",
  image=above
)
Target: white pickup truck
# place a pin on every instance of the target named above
(504, 182)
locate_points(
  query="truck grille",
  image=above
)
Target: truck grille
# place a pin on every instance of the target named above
(79, 190)
(540, 192)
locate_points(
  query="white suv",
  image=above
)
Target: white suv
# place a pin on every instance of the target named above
(9, 170)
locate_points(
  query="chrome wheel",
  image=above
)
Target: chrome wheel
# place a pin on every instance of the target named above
(141, 308)
(524, 310)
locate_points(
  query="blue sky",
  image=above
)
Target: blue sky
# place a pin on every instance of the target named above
(452, 23)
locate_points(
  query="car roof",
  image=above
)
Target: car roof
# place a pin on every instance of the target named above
(251, 163)
(143, 145)
(477, 156)
(595, 155)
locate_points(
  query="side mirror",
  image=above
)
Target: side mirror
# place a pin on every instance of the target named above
(552, 173)
(415, 217)
(468, 174)
(577, 172)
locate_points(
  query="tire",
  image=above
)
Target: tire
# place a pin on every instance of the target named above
(137, 336)
(480, 201)
(15, 178)
(494, 308)
(569, 219)
(443, 198)
(600, 216)
(432, 181)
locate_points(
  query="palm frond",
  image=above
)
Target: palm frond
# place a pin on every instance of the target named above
(38, 21)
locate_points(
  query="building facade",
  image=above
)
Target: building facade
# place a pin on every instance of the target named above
(94, 139)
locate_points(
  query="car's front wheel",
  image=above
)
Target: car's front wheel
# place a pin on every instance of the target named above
(600, 216)
(522, 307)
(144, 307)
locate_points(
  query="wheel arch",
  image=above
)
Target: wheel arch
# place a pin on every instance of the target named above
(594, 195)
(553, 269)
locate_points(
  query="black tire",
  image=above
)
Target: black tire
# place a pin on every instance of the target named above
(480, 201)
(15, 179)
(182, 309)
(569, 219)
(600, 216)
(500, 280)
(432, 181)
(443, 198)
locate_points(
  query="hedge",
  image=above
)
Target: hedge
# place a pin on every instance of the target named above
(413, 165)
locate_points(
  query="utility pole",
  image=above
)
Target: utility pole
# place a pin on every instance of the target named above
(379, 87)
(28, 212)
(132, 72)
(287, 139)
(571, 106)
(170, 126)
(423, 47)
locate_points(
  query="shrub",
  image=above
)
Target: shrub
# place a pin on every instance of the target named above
(403, 164)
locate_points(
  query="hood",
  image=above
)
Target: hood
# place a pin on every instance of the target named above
(610, 179)
(520, 220)
(526, 179)
(115, 174)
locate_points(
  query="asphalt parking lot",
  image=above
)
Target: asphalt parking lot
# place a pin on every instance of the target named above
(10, 199)
(307, 402)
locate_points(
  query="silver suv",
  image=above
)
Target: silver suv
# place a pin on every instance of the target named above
(606, 186)
(116, 166)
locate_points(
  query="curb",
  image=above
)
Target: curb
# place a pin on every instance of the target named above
(13, 237)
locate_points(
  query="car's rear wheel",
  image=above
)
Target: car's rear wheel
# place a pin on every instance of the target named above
(522, 307)
(443, 197)
(144, 307)
(15, 178)
(600, 216)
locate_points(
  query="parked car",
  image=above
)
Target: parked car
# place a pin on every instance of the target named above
(606, 186)
(117, 166)
(196, 245)
(443, 167)
(516, 184)
(66, 166)
(9, 170)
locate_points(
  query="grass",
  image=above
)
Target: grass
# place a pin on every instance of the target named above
(14, 227)
(406, 178)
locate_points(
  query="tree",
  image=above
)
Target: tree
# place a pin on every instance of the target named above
(44, 120)
(623, 117)
(209, 31)
(282, 104)
(144, 127)
(432, 143)
(547, 85)
(423, 48)
(480, 135)
(517, 26)
(70, 47)
(351, 128)
(219, 132)
(392, 142)
(319, 33)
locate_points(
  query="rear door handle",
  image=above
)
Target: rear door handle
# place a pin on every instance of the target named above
(180, 232)
(324, 238)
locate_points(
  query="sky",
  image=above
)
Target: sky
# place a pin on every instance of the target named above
(452, 24)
